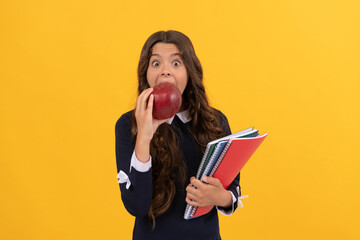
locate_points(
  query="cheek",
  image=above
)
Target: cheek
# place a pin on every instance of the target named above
(182, 85)
(184, 82)
(150, 78)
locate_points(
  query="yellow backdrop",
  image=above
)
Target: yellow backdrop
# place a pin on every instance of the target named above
(289, 68)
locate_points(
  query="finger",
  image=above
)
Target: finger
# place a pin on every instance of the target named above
(139, 98)
(150, 104)
(192, 197)
(191, 203)
(142, 99)
(212, 181)
(191, 190)
(137, 108)
(145, 99)
(138, 103)
(197, 183)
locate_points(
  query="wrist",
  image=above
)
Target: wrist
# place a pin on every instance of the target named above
(143, 139)
(142, 150)
(226, 199)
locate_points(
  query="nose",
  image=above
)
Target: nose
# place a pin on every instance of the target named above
(165, 72)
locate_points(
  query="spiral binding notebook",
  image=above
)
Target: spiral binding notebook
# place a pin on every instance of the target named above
(210, 147)
(228, 157)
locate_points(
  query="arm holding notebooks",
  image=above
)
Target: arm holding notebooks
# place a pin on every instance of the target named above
(212, 192)
(209, 192)
(225, 166)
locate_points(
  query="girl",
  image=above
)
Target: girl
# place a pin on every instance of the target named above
(156, 158)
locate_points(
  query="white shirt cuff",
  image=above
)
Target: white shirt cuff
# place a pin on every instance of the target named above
(135, 163)
(139, 166)
(229, 212)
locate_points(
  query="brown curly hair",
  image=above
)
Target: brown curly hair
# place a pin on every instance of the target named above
(168, 166)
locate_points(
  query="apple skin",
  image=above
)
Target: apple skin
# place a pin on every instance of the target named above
(167, 100)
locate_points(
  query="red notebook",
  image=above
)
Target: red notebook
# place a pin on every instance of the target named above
(233, 158)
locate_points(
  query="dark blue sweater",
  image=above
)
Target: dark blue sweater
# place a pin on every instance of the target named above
(137, 199)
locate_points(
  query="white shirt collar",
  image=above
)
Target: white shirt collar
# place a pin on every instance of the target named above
(184, 116)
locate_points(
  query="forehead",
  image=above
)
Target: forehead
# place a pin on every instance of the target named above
(164, 48)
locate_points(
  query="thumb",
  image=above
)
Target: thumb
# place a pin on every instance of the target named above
(158, 122)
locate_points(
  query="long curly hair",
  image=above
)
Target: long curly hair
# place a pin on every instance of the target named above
(168, 164)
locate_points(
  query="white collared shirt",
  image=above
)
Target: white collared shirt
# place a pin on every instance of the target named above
(184, 116)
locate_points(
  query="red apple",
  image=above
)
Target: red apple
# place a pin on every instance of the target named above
(167, 100)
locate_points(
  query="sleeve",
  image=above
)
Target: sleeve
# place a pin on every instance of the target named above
(135, 177)
(234, 187)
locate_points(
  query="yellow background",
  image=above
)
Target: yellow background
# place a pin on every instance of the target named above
(289, 68)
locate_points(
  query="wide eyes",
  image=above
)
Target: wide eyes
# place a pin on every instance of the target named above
(155, 63)
(175, 63)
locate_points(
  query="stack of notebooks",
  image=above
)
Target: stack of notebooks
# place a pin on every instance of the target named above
(223, 159)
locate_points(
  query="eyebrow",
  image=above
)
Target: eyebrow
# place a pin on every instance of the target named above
(172, 55)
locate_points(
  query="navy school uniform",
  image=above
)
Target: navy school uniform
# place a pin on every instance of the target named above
(136, 186)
